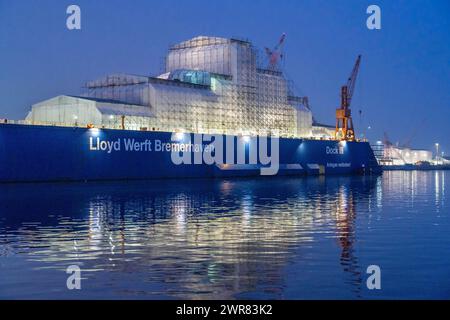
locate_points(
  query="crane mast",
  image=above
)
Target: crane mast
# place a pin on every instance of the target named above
(344, 122)
(276, 54)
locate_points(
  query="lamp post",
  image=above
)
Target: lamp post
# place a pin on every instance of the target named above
(437, 152)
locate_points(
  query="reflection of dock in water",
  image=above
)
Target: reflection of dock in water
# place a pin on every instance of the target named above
(345, 226)
(215, 238)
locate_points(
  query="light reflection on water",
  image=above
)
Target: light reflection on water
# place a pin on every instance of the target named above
(218, 239)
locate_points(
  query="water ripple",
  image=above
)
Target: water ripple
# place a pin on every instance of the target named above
(208, 239)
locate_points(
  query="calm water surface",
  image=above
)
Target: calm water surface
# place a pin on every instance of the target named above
(283, 238)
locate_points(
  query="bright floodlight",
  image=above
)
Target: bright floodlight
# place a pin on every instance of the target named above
(94, 131)
(179, 136)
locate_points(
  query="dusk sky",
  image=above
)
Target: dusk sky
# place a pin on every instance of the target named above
(403, 87)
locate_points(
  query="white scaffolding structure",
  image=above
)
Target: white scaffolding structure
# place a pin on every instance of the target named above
(210, 85)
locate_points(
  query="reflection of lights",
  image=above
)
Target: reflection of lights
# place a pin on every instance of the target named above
(95, 229)
(247, 228)
(226, 187)
(343, 197)
(437, 151)
(443, 185)
(75, 248)
(246, 139)
(379, 193)
(247, 205)
(75, 117)
(213, 273)
(436, 186)
(179, 213)
(180, 216)
(342, 204)
(94, 221)
(414, 179)
(343, 143)
(111, 243)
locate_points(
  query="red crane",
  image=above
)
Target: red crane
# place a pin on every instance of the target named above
(344, 122)
(276, 54)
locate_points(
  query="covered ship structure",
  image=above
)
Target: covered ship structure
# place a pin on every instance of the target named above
(126, 126)
(210, 85)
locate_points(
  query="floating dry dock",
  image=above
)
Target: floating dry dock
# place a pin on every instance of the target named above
(214, 112)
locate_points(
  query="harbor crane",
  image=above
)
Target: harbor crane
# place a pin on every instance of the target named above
(276, 54)
(344, 122)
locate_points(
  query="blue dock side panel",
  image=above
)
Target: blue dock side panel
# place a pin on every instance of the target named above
(49, 153)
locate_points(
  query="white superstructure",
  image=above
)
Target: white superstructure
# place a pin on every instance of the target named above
(210, 85)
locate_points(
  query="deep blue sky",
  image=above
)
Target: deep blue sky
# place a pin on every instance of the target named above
(404, 83)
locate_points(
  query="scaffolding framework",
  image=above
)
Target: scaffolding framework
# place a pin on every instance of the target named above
(242, 97)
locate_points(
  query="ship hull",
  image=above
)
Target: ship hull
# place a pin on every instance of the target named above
(47, 153)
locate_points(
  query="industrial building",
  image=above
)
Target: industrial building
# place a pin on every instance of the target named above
(210, 85)
(388, 154)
